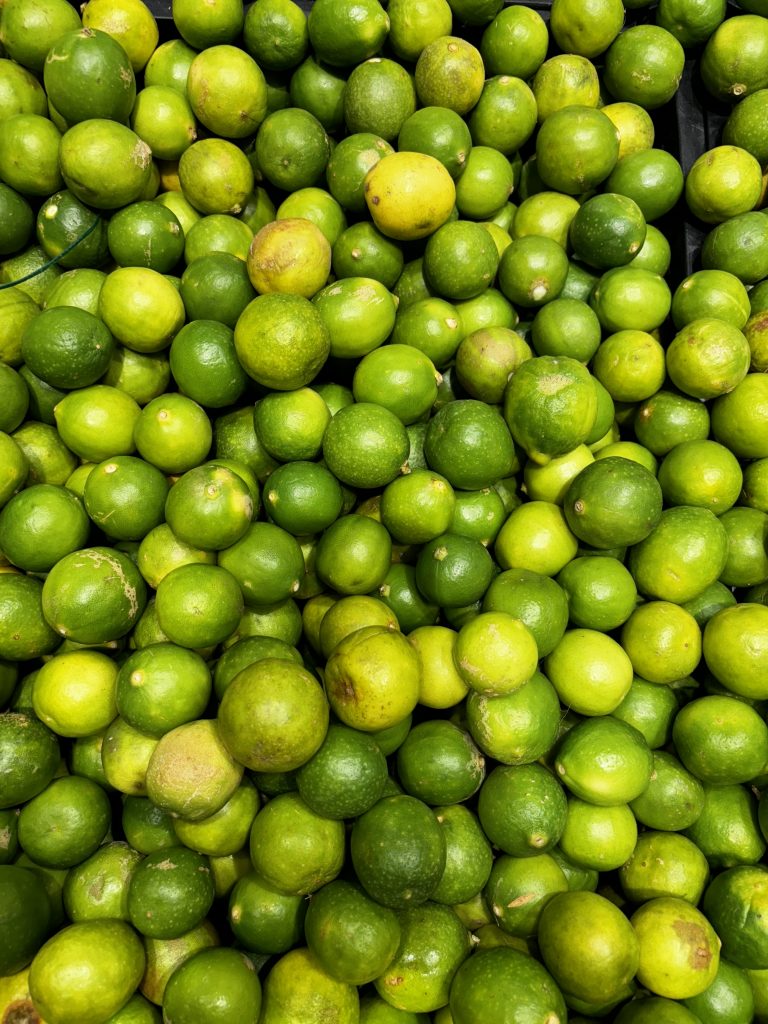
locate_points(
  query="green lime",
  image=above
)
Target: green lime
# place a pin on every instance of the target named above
(163, 118)
(398, 851)
(216, 287)
(522, 809)
(662, 640)
(673, 799)
(585, 131)
(125, 497)
(431, 325)
(439, 763)
(515, 42)
(519, 982)
(170, 892)
(40, 525)
(365, 445)
(362, 251)
(630, 298)
(590, 671)
(450, 73)
(281, 341)
(67, 347)
(608, 492)
(263, 920)
(597, 961)
(210, 983)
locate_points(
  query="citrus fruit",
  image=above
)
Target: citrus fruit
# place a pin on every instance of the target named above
(290, 255)
(610, 491)
(298, 988)
(679, 949)
(131, 23)
(565, 80)
(409, 195)
(359, 314)
(87, 971)
(663, 641)
(215, 176)
(576, 129)
(590, 671)
(146, 234)
(705, 184)
(550, 406)
(281, 341)
(525, 988)
(449, 73)
(598, 961)
(372, 678)
(646, 47)
(26, 914)
(728, 633)
(589, 30)
(180, 784)
(731, 68)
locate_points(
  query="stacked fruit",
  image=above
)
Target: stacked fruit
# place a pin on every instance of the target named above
(383, 513)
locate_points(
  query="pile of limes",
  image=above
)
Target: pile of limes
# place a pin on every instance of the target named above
(383, 513)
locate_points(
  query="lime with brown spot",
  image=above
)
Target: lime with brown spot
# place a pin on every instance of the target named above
(104, 164)
(170, 892)
(679, 949)
(191, 773)
(291, 256)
